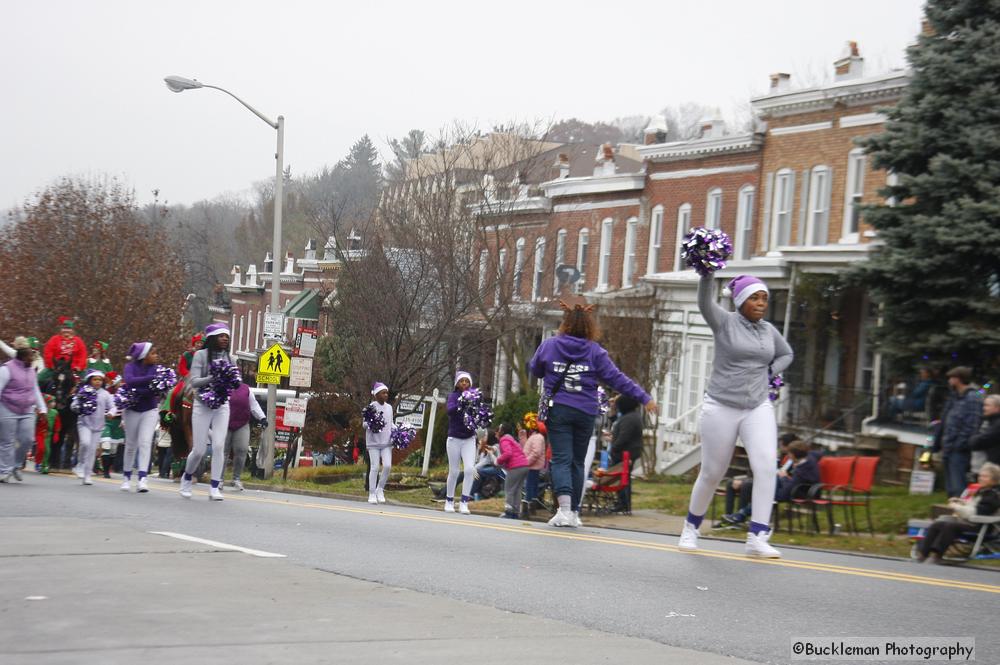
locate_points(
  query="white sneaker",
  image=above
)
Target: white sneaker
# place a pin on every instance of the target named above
(449, 506)
(143, 485)
(563, 517)
(372, 498)
(185, 488)
(126, 485)
(237, 485)
(380, 496)
(757, 546)
(689, 538)
(463, 508)
(577, 522)
(214, 494)
(88, 481)
(78, 471)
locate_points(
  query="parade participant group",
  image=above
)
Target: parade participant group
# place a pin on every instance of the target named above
(71, 388)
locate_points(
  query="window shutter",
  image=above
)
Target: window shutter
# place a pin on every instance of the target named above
(804, 209)
(765, 222)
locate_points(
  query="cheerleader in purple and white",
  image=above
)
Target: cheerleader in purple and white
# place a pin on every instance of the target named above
(92, 402)
(379, 444)
(461, 447)
(210, 412)
(140, 416)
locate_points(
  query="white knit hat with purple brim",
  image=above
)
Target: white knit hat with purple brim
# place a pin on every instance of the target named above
(460, 374)
(379, 387)
(742, 287)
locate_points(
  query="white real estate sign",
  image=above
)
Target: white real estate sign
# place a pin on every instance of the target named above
(411, 410)
(295, 412)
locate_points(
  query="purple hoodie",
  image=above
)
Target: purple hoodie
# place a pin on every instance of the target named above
(456, 422)
(589, 363)
(139, 376)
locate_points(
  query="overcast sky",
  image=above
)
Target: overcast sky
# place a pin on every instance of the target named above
(83, 92)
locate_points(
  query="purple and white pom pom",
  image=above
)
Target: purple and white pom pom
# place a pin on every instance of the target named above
(125, 398)
(373, 418)
(476, 412)
(225, 375)
(706, 250)
(211, 397)
(402, 436)
(86, 401)
(603, 403)
(164, 379)
(774, 386)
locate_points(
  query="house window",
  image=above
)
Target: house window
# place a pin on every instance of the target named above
(560, 257)
(713, 209)
(518, 268)
(819, 206)
(856, 164)
(536, 286)
(604, 269)
(699, 369)
(744, 223)
(582, 245)
(784, 190)
(655, 236)
(501, 267)
(683, 226)
(483, 263)
(630, 264)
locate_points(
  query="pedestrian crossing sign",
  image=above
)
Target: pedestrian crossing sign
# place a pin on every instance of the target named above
(273, 364)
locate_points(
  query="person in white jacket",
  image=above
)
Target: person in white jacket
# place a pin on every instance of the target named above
(89, 426)
(379, 445)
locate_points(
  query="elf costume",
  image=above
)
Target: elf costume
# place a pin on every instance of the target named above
(66, 345)
(45, 429)
(113, 436)
(98, 359)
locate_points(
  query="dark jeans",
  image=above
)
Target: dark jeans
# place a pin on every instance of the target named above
(745, 492)
(569, 435)
(941, 534)
(956, 466)
(531, 486)
(165, 458)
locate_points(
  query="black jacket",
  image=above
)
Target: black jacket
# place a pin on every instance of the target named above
(962, 414)
(988, 439)
(627, 435)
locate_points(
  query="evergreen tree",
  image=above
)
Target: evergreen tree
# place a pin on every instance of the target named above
(938, 272)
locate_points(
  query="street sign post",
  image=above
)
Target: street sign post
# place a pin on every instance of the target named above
(273, 364)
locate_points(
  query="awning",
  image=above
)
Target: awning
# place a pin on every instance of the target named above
(304, 306)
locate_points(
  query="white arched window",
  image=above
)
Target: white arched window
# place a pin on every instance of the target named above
(604, 267)
(501, 267)
(744, 222)
(518, 268)
(655, 239)
(483, 266)
(560, 258)
(818, 212)
(713, 209)
(781, 208)
(536, 285)
(582, 245)
(683, 226)
(630, 264)
(853, 193)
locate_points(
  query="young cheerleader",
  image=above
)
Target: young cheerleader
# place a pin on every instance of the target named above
(93, 406)
(141, 416)
(461, 448)
(747, 350)
(379, 445)
(208, 419)
(113, 435)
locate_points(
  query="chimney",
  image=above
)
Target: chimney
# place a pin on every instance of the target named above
(850, 65)
(268, 263)
(562, 163)
(252, 276)
(310, 254)
(237, 276)
(289, 263)
(714, 127)
(605, 162)
(330, 249)
(780, 82)
(656, 130)
(926, 29)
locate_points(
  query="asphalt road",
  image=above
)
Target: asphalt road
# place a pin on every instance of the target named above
(619, 583)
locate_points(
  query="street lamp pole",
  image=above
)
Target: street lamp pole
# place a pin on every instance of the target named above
(180, 84)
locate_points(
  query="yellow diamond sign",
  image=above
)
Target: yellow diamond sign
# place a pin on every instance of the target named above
(273, 364)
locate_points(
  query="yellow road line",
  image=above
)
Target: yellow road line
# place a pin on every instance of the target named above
(608, 540)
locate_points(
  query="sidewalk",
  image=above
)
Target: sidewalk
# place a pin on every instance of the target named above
(87, 590)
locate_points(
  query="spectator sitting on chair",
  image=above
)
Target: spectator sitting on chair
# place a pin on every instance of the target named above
(626, 436)
(986, 443)
(959, 422)
(804, 471)
(916, 401)
(944, 531)
(742, 486)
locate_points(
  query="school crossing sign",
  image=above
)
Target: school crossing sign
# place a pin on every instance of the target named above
(273, 364)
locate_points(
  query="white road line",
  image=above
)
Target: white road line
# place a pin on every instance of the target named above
(223, 546)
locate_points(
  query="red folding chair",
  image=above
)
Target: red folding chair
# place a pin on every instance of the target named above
(834, 478)
(859, 492)
(603, 497)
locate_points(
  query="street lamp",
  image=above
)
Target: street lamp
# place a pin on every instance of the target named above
(180, 84)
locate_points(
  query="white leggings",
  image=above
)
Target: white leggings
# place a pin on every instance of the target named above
(88, 448)
(719, 426)
(139, 429)
(385, 456)
(206, 422)
(461, 458)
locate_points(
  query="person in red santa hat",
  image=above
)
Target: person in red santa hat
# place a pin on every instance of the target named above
(66, 345)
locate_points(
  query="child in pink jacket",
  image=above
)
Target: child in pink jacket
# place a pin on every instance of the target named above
(513, 461)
